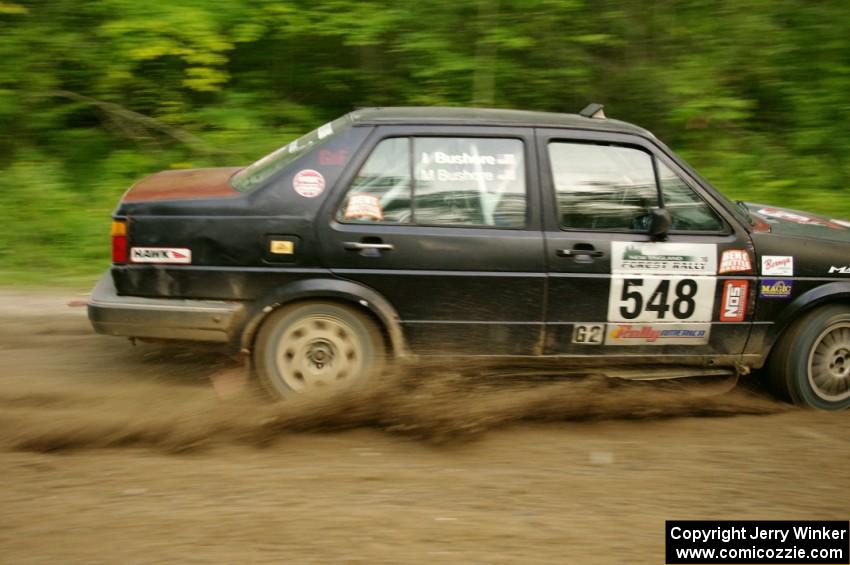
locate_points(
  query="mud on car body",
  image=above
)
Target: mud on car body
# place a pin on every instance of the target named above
(448, 231)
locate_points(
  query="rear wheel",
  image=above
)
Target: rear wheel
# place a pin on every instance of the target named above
(314, 348)
(810, 364)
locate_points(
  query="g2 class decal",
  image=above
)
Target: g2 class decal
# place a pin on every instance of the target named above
(588, 334)
(733, 307)
(160, 255)
(777, 265)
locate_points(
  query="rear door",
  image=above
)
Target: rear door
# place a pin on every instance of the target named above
(444, 222)
(615, 292)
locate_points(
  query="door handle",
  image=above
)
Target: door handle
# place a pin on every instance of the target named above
(360, 246)
(578, 252)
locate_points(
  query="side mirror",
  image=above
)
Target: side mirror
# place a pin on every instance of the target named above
(660, 223)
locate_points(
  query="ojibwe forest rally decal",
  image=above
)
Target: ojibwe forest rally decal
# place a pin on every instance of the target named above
(661, 293)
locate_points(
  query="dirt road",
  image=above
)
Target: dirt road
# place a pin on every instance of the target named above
(114, 453)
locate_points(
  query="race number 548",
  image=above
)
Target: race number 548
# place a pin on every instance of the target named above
(661, 299)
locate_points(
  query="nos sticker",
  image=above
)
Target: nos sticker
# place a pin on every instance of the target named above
(734, 305)
(657, 334)
(308, 183)
(663, 258)
(654, 298)
(160, 255)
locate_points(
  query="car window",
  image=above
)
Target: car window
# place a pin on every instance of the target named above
(469, 181)
(381, 191)
(603, 187)
(689, 211)
(450, 181)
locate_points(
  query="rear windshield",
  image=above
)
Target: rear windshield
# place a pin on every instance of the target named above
(262, 170)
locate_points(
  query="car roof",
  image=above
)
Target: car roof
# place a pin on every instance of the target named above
(436, 115)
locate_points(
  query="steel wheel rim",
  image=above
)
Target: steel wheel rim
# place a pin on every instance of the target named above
(318, 352)
(829, 363)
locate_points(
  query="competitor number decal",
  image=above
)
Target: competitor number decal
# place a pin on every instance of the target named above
(654, 298)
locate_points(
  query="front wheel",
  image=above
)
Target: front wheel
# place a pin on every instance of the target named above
(313, 348)
(810, 364)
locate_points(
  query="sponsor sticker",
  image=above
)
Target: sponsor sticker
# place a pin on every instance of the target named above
(333, 158)
(789, 216)
(308, 183)
(775, 288)
(840, 270)
(777, 265)
(663, 258)
(842, 223)
(657, 334)
(160, 255)
(325, 130)
(735, 261)
(733, 307)
(364, 207)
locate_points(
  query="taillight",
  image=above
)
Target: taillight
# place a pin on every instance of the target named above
(119, 241)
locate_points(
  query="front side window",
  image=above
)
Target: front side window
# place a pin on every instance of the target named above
(440, 181)
(603, 187)
(689, 211)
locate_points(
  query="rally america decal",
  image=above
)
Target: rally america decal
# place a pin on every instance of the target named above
(160, 255)
(657, 334)
(662, 282)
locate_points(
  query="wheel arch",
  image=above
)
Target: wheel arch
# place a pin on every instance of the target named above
(830, 293)
(346, 292)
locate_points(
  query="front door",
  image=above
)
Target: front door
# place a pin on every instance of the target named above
(613, 291)
(444, 224)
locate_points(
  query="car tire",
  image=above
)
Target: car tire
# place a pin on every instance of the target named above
(314, 348)
(810, 364)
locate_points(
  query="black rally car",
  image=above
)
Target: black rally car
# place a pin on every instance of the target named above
(446, 231)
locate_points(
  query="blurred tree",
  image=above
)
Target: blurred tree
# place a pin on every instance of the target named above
(95, 93)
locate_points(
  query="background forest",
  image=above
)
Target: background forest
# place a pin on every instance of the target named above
(97, 93)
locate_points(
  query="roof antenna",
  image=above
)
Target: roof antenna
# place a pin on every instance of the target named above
(593, 110)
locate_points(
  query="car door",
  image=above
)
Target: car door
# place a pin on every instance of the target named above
(444, 223)
(615, 292)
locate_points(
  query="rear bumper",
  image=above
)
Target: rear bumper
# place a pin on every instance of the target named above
(162, 318)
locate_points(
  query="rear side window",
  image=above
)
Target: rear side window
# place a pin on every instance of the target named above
(444, 181)
(614, 188)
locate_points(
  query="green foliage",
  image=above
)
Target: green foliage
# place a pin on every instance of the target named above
(97, 93)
